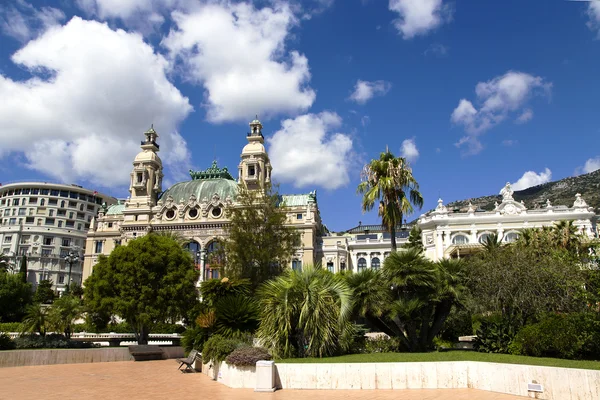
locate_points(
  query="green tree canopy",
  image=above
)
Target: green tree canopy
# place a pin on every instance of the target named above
(150, 280)
(526, 279)
(63, 313)
(259, 244)
(4, 263)
(44, 293)
(390, 180)
(23, 268)
(15, 296)
(415, 239)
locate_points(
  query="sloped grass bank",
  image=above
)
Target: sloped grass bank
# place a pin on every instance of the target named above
(448, 356)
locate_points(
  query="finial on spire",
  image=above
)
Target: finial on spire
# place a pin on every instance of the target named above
(255, 128)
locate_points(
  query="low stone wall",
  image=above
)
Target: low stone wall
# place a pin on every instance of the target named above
(19, 358)
(558, 383)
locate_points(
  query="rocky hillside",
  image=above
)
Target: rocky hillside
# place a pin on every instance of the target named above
(559, 192)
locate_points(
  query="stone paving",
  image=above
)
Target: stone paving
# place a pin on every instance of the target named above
(161, 380)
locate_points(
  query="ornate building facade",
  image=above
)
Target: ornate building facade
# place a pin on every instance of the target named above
(448, 234)
(195, 209)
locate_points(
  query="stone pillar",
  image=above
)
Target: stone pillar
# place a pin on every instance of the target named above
(473, 238)
(439, 245)
(202, 264)
(265, 376)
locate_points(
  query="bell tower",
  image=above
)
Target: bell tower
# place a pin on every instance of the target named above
(254, 170)
(146, 177)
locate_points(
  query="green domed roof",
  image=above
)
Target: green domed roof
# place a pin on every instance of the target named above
(202, 189)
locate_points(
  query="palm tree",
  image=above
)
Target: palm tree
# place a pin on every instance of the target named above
(390, 180)
(4, 263)
(305, 313)
(491, 243)
(36, 319)
(566, 235)
(64, 312)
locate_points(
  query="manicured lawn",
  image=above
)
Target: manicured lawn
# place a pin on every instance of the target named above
(449, 356)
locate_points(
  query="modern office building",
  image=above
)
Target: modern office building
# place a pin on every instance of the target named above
(47, 222)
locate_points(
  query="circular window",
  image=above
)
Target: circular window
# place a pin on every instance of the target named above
(216, 212)
(193, 213)
(170, 214)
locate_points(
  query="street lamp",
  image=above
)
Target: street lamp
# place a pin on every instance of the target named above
(70, 259)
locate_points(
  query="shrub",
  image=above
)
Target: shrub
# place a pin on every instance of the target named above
(382, 344)
(247, 356)
(194, 338)
(494, 335)
(51, 341)
(217, 348)
(10, 327)
(458, 323)
(563, 336)
(6, 343)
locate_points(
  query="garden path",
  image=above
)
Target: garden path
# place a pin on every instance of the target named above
(161, 380)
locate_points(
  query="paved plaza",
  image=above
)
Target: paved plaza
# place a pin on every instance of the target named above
(161, 380)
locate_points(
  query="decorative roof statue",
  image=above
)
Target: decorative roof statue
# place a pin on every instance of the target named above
(471, 208)
(579, 202)
(214, 172)
(507, 192)
(441, 208)
(548, 203)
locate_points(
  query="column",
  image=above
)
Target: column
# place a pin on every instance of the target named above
(439, 245)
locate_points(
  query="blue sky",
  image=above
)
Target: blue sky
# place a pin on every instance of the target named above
(474, 93)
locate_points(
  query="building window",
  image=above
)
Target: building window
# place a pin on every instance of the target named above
(297, 265)
(46, 252)
(251, 170)
(98, 248)
(22, 211)
(51, 213)
(460, 239)
(193, 213)
(140, 177)
(62, 204)
(49, 221)
(60, 224)
(7, 239)
(110, 224)
(15, 202)
(216, 212)
(361, 264)
(12, 221)
(61, 279)
(375, 263)
(66, 242)
(117, 242)
(298, 216)
(484, 238)
(48, 240)
(511, 237)
(78, 227)
(170, 214)
(25, 238)
(330, 266)
(42, 202)
(342, 266)
(71, 215)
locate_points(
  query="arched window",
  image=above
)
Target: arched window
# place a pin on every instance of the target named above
(62, 204)
(330, 266)
(362, 264)
(42, 202)
(511, 237)
(460, 239)
(375, 263)
(194, 249)
(484, 237)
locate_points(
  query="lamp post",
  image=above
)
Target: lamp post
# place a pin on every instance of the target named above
(70, 259)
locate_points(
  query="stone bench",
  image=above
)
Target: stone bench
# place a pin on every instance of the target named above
(146, 352)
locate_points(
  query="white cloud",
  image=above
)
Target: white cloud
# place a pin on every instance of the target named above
(365, 120)
(22, 21)
(85, 121)
(591, 165)
(306, 151)
(526, 116)
(530, 178)
(366, 90)
(437, 49)
(498, 99)
(237, 52)
(509, 142)
(419, 17)
(593, 13)
(409, 150)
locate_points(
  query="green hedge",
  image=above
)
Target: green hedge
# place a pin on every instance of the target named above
(570, 336)
(10, 327)
(217, 348)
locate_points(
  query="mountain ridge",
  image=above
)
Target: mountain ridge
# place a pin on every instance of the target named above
(561, 192)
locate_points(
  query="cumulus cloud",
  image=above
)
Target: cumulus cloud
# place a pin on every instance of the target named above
(409, 150)
(82, 113)
(23, 21)
(593, 13)
(366, 90)
(591, 165)
(530, 178)
(419, 17)
(498, 99)
(307, 151)
(237, 52)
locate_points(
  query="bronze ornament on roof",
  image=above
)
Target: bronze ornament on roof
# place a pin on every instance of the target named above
(214, 172)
